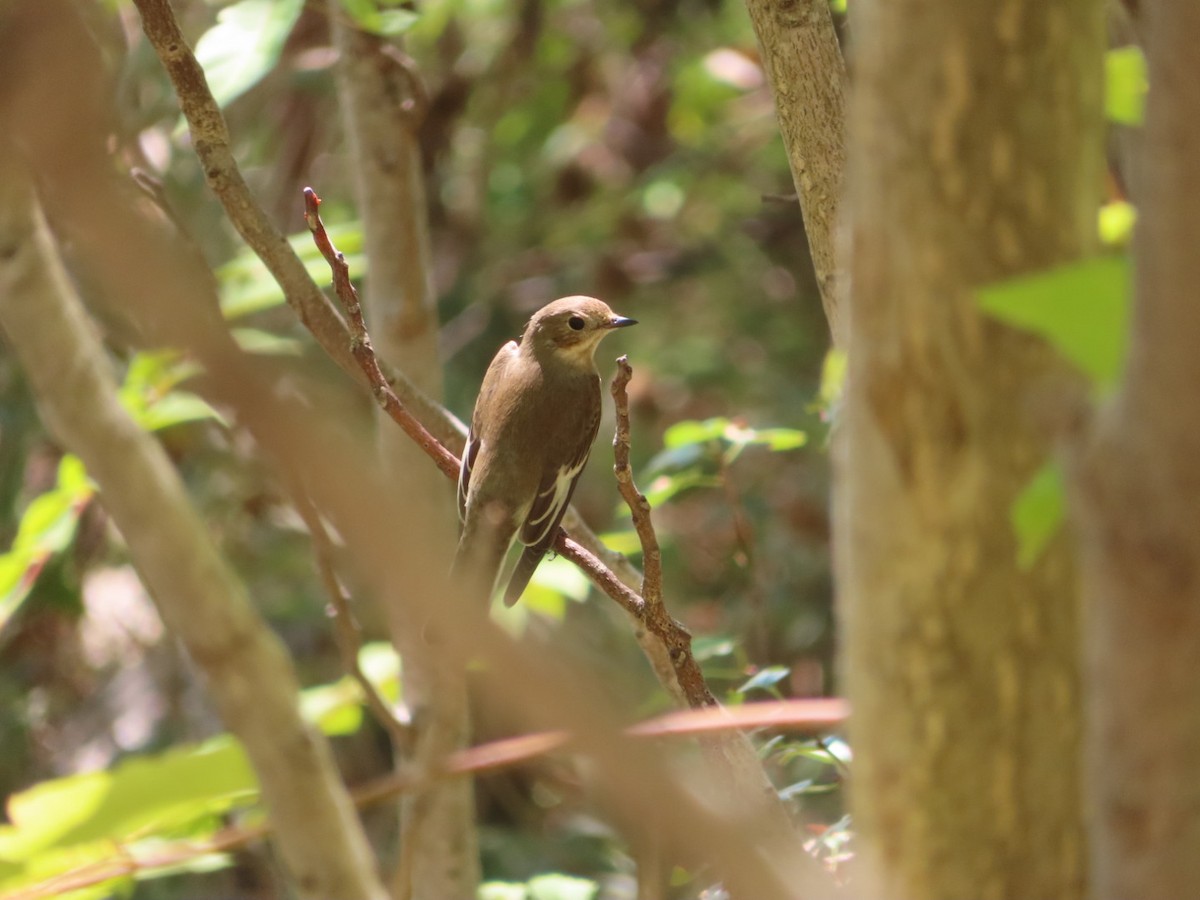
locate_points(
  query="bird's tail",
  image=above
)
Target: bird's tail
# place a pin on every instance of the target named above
(528, 561)
(477, 561)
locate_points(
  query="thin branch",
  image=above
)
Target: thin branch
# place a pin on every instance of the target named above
(361, 348)
(654, 614)
(639, 506)
(210, 139)
(199, 597)
(346, 630)
(787, 715)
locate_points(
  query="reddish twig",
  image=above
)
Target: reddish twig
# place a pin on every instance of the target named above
(360, 343)
(785, 715)
(639, 506)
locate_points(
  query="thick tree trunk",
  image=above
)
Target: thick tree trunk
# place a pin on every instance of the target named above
(804, 65)
(439, 857)
(975, 155)
(1139, 515)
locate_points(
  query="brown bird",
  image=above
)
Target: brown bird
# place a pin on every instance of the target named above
(532, 429)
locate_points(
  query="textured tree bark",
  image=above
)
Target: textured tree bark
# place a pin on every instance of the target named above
(804, 65)
(975, 137)
(248, 671)
(1138, 514)
(381, 103)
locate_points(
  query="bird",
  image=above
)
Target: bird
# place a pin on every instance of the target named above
(531, 431)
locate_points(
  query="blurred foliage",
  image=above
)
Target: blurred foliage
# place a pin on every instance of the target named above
(570, 146)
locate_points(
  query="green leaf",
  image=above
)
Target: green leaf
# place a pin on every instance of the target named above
(682, 434)
(337, 708)
(833, 377)
(763, 679)
(780, 439)
(47, 527)
(140, 795)
(334, 708)
(248, 287)
(1116, 221)
(255, 340)
(706, 647)
(665, 487)
(625, 542)
(245, 44)
(502, 890)
(1037, 514)
(561, 887)
(369, 16)
(1125, 85)
(1082, 309)
(176, 408)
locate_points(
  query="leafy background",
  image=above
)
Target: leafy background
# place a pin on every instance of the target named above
(570, 146)
(627, 151)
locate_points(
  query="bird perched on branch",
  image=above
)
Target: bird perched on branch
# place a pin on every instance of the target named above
(532, 429)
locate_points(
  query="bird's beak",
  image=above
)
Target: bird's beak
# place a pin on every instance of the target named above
(621, 322)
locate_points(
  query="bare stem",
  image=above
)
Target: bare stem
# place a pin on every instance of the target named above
(346, 630)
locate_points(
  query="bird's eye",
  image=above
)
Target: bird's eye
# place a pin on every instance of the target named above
(576, 323)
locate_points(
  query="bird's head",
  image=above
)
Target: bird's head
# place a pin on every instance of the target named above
(570, 329)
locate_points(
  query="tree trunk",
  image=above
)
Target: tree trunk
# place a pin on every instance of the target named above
(803, 62)
(975, 137)
(439, 856)
(1138, 487)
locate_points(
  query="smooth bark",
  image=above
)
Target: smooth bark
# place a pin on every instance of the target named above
(247, 670)
(1138, 514)
(975, 137)
(381, 105)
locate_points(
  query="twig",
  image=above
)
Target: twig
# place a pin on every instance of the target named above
(210, 139)
(360, 343)
(639, 506)
(790, 715)
(346, 630)
(654, 613)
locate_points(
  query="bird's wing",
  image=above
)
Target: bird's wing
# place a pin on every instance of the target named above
(470, 451)
(491, 381)
(556, 489)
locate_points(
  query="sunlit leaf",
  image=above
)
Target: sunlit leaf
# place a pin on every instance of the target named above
(176, 408)
(833, 377)
(764, 678)
(140, 794)
(1082, 309)
(625, 542)
(245, 44)
(780, 439)
(255, 340)
(682, 434)
(561, 887)
(248, 287)
(374, 16)
(1125, 85)
(502, 890)
(1037, 514)
(706, 647)
(334, 708)
(665, 487)
(1116, 221)
(47, 527)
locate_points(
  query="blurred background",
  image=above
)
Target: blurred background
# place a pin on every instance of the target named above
(625, 150)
